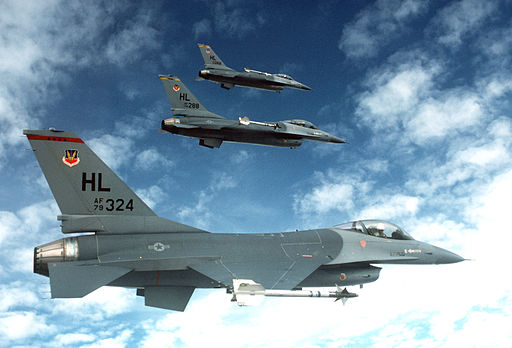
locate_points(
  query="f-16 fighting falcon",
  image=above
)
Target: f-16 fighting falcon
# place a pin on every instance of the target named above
(216, 71)
(212, 129)
(123, 243)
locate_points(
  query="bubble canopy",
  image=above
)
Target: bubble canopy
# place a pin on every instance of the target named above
(376, 228)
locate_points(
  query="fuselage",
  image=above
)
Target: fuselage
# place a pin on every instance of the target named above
(281, 134)
(251, 78)
(211, 260)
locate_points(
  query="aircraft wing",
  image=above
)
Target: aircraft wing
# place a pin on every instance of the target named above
(284, 265)
(280, 274)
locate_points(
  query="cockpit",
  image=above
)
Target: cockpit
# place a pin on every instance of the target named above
(376, 228)
(303, 123)
(284, 76)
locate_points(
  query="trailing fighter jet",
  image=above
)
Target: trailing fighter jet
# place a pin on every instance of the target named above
(123, 243)
(216, 71)
(212, 129)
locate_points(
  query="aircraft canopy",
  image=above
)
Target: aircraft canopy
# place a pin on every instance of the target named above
(284, 76)
(303, 123)
(377, 228)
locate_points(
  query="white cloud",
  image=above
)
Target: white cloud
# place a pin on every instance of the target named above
(17, 294)
(416, 307)
(399, 92)
(222, 181)
(28, 224)
(120, 340)
(496, 44)
(321, 199)
(435, 118)
(389, 207)
(72, 338)
(460, 18)
(201, 212)
(465, 159)
(35, 55)
(496, 86)
(377, 25)
(39, 214)
(114, 150)
(99, 305)
(124, 46)
(22, 325)
(240, 157)
(148, 159)
(394, 94)
(376, 165)
(235, 22)
(151, 196)
(202, 28)
(404, 105)
(8, 224)
(494, 325)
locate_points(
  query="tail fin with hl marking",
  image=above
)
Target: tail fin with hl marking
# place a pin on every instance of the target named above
(91, 197)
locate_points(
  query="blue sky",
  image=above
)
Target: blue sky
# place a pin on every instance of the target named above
(421, 91)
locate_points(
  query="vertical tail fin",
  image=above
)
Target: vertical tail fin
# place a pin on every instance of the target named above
(183, 102)
(89, 194)
(211, 60)
(81, 182)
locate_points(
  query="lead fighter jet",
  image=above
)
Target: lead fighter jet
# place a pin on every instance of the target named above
(212, 129)
(123, 243)
(216, 71)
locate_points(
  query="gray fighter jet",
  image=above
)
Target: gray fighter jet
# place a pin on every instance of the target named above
(216, 71)
(123, 243)
(212, 129)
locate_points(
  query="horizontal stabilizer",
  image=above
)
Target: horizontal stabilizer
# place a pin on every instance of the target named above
(71, 280)
(168, 297)
(125, 224)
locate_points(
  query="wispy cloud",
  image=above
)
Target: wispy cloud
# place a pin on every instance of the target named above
(459, 19)
(148, 159)
(202, 28)
(35, 53)
(201, 213)
(377, 25)
(114, 150)
(151, 195)
(234, 21)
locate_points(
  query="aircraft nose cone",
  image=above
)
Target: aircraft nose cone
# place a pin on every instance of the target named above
(299, 85)
(333, 139)
(444, 256)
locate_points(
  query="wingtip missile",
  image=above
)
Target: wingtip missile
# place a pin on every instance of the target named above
(247, 292)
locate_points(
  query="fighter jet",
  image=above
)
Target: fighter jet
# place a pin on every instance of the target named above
(212, 129)
(216, 71)
(121, 242)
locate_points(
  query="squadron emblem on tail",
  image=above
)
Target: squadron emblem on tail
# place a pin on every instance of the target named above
(71, 158)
